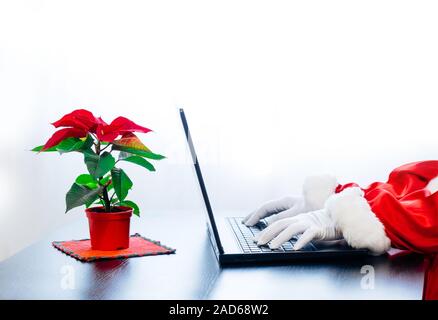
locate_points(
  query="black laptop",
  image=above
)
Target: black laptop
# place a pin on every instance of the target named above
(232, 241)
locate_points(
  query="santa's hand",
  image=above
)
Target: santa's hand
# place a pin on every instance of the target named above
(315, 225)
(282, 208)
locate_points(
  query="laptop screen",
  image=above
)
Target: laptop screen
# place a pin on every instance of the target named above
(210, 217)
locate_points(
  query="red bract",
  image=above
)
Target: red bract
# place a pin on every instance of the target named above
(80, 119)
(118, 126)
(78, 122)
(62, 134)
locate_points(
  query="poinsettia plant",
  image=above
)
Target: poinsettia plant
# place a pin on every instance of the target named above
(105, 184)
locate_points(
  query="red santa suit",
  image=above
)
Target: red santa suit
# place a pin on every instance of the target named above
(430, 288)
(402, 212)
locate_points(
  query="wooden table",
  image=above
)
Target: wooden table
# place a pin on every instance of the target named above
(193, 272)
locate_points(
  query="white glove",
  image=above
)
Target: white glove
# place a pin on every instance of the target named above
(315, 225)
(283, 208)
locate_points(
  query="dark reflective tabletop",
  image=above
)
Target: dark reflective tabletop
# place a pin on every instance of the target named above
(38, 272)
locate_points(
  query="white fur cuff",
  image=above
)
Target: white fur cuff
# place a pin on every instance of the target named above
(359, 225)
(317, 189)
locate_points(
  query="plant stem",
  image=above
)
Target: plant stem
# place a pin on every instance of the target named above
(98, 148)
(105, 196)
(106, 199)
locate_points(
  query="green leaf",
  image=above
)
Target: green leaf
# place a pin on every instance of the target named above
(69, 145)
(140, 161)
(65, 145)
(100, 202)
(91, 160)
(130, 140)
(105, 180)
(95, 200)
(79, 195)
(98, 166)
(145, 154)
(131, 204)
(74, 144)
(88, 143)
(87, 180)
(121, 183)
(39, 148)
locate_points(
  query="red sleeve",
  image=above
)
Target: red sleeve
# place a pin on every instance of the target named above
(430, 287)
(406, 208)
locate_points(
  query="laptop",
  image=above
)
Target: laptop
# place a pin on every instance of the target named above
(233, 243)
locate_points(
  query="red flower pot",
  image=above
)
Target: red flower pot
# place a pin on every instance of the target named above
(109, 230)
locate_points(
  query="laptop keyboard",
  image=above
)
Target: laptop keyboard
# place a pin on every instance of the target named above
(245, 236)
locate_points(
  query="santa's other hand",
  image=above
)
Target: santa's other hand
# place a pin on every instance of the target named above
(282, 208)
(315, 225)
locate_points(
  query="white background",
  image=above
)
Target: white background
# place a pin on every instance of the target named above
(274, 91)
